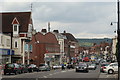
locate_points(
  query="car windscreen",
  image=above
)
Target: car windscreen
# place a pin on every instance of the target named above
(9, 66)
(104, 64)
(82, 65)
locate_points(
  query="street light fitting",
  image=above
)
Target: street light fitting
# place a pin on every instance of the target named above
(112, 23)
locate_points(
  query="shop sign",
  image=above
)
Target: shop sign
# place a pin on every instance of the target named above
(6, 52)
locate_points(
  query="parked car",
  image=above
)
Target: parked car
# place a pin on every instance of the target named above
(92, 66)
(103, 61)
(44, 67)
(103, 66)
(96, 62)
(69, 66)
(86, 59)
(56, 66)
(82, 67)
(12, 68)
(32, 68)
(24, 68)
(111, 68)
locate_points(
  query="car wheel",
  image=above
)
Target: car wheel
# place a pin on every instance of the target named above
(32, 70)
(110, 71)
(76, 70)
(16, 73)
(87, 71)
(4, 73)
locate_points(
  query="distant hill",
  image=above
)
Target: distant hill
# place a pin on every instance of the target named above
(90, 42)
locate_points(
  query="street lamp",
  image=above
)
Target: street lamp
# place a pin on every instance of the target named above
(118, 32)
(118, 39)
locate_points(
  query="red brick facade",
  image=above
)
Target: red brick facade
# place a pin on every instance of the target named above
(42, 44)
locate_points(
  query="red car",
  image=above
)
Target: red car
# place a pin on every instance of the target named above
(86, 59)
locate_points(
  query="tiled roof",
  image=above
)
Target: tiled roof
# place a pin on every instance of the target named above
(24, 19)
(69, 36)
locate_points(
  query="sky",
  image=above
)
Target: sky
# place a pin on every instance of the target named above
(82, 18)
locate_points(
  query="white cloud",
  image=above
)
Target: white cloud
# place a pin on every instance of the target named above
(91, 35)
(58, 1)
(80, 19)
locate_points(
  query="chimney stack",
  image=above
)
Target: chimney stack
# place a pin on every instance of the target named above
(44, 30)
(56, 31)
(64, 31)
(48, 26)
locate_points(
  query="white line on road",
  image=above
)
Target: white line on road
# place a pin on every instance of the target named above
(63, 71)
(50, 74)
(45, 76)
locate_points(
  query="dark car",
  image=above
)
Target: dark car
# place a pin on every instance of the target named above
(12, 68)
(69, 66)
(82, 67)
(44, 67)
(97, 62)
(24, 68)
(32, 68)
(103, 66)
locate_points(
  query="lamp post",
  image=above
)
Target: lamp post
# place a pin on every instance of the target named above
(69, 51)
(118, 39)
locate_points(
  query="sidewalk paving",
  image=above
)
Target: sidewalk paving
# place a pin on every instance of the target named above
(106, 76)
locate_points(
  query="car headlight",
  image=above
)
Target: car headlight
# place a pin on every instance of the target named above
(85, 67)
(77, 67)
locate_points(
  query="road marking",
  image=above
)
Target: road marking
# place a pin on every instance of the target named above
(45, 76)
(54, 73)
(63, 71)
(50, 74)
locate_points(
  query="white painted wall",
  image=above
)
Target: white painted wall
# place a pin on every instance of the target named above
(5, 41)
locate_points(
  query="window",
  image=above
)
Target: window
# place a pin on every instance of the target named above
(0, 39)
(15, 27)
(8, 42)
(16, 45)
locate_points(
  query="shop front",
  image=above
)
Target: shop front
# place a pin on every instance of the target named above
(5, 55)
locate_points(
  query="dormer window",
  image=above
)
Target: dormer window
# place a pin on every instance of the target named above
(15, 27)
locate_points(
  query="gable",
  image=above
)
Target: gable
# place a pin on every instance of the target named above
(15, 21)
(23, 18)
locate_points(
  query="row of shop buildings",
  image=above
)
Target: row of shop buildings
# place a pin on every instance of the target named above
(20, 43)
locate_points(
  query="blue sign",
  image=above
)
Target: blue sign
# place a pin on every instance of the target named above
(26, 47)
(30, 48)
(6, 52)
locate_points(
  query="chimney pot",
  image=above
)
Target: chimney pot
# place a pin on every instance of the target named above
(44, 30)
(56, 31)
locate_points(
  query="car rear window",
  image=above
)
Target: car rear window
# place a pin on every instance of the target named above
(42, 65)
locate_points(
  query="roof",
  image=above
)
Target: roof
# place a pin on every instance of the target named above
(59, 36)
(24, 18)
(69, 36)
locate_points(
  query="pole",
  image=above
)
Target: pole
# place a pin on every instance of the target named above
(11, 48)
(28, 61)
(118, 32)
(69, 53)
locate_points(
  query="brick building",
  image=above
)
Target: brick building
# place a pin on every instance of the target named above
(71, 47)
(45, 48)
(18, 25)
